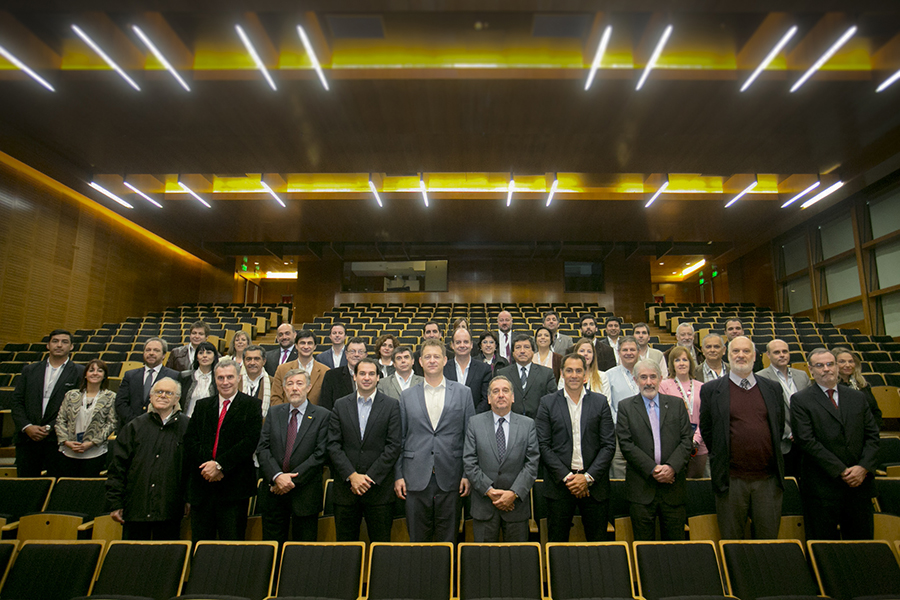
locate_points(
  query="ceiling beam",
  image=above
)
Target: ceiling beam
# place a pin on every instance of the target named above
(167, 41)
(26, 46)
(819, 39)
(763, 40)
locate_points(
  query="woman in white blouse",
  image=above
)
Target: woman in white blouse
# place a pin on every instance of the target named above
(199, 381)
(682, 385)
(86, 419)
(544, 355)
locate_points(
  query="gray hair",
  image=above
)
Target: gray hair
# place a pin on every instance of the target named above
(680, 325)
(646, 364)
(817, 351)
(629, 339)
(709, 335)
(162, 342)
(293, 373)
(225, 363)
(255, 348)
(177, 393)
(500, 378)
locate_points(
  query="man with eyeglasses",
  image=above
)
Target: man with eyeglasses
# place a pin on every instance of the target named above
(339, 382)
(145, 485)
(836, 431)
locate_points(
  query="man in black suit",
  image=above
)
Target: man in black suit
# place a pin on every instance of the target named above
(531, 382)
(364, 441)
(606, 358)
(133, 395)
(742, 421)
(219, 444)
(285, 352)
(576, 458)
(655, 435)
(505, 335)
(476, 374)
(837, 433)
(338, 382)
(292, 450)
(182, 358)
(613, 330)
(35, 403)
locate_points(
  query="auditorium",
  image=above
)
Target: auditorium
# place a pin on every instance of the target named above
(408, 298)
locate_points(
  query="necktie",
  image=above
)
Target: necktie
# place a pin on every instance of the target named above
(524, 377)
(654, 427)
(284, 355)
(831, 397)
(219, 427)
(508, 347)
(291, 438)
(501, 438)
(148, 383)
(745, 384)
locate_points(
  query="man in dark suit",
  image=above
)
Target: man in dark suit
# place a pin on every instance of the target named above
(505, 335)
(476, 374)
(363, 445)
(531, 382)
(291, 452)
(336, 356)
(338, 382)
(613, 330)
(837, 433)
(429, 473)
(742, 422)
(430, 331)
(655, 435)
(606, 358)
(133, 395)
(576, 458)
(182, 358)
(501, 459)
(285, 352)
(219, 444)
(35, 403)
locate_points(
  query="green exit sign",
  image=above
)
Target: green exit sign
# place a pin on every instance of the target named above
(702, 281)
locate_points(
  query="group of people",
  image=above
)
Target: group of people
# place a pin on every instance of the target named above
(433, 425)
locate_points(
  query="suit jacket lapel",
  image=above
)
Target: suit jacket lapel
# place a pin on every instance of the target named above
(562, 405)
(645, 416)
(512, 441)
(827, 404)
(304, 425)
(377, 406)
(420, 396)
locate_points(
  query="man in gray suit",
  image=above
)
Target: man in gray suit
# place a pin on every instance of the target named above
(655, 435)
(403, 377)
(531, 382)
(501, 461)
(562, 344)
(429, 473)
(791, 381)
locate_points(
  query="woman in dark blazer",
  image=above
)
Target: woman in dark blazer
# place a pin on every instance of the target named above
(487, 346)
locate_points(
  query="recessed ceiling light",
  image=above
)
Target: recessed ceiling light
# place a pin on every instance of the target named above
(110, 195)
(770, 56)
(18, 63)
(194, 194)
(159, 56)
(142, 195)
(254, 55)
(375, 192)
(653, 198)
(661, 264)
(312, 56)
(822, 194)
(801, 194)
(741, 195)
(824, 58)
(552, 191)
(655, 56)
(93, 45)
(598, 57)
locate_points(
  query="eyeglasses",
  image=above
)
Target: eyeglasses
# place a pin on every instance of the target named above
(823, 365)
(163, 394)
(356, 352)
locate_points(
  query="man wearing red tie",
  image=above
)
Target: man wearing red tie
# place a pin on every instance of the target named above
(219, 445)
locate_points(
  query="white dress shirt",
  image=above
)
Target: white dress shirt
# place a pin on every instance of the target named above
(434, 401)
(575, 417)
(51, 376)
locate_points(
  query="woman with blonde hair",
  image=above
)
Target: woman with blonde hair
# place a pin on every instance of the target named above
(595, 379)
(848, 365)
(86, 419)
(681, 384)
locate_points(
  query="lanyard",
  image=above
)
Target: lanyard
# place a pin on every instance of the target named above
(687, 397)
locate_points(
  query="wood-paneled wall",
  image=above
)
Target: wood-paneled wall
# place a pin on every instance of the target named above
(66, 261)
(503, 279)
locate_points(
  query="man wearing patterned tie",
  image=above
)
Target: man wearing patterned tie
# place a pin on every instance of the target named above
(837, 433)
(219, 445)
(655, 435)
(501, 457)
(363, 445)
(531, 381)
(291, 452)
(133, 396)
(742, 422)
(285, 352)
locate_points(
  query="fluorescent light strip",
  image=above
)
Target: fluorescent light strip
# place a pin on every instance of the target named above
(601, 50)
(312, 56)
(739, 196)
(424, 193)
(20, 65)
(142, 195)
(552, 191)
(104, 56)
(272, 193)
(255, 56)
(374, 191)
(159, 56)
(824, 58)
(509, 192)
(653, 198)
(827, 191)
(770, 56)
(655, 56)
(110, 195)
(801, 194)
(693, 268)
(885, 85)
(192, 193)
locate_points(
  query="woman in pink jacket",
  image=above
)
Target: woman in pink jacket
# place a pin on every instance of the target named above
(682, 385)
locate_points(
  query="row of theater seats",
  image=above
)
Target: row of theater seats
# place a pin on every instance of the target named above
(348, 571)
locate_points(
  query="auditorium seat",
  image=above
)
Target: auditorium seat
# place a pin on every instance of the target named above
(765, 568)
(848, 570)
(308, 570)
(232, 569)
(142, 570)
(500, 571)
(676, 569)
(21, 496)
(589, 570)
(71, 508)
(410, 571)
(74, 565)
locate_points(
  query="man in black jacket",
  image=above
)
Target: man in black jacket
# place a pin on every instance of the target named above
(145, 485)
(338, 382)
(35, 404)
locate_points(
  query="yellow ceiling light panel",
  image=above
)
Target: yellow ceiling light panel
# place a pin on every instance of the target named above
(328, 182)
(766, 183)
(467, 182)
(855, 55)
(77, 56)
(249, 184)
(694, 183)
(530, 183)
(402, 183)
